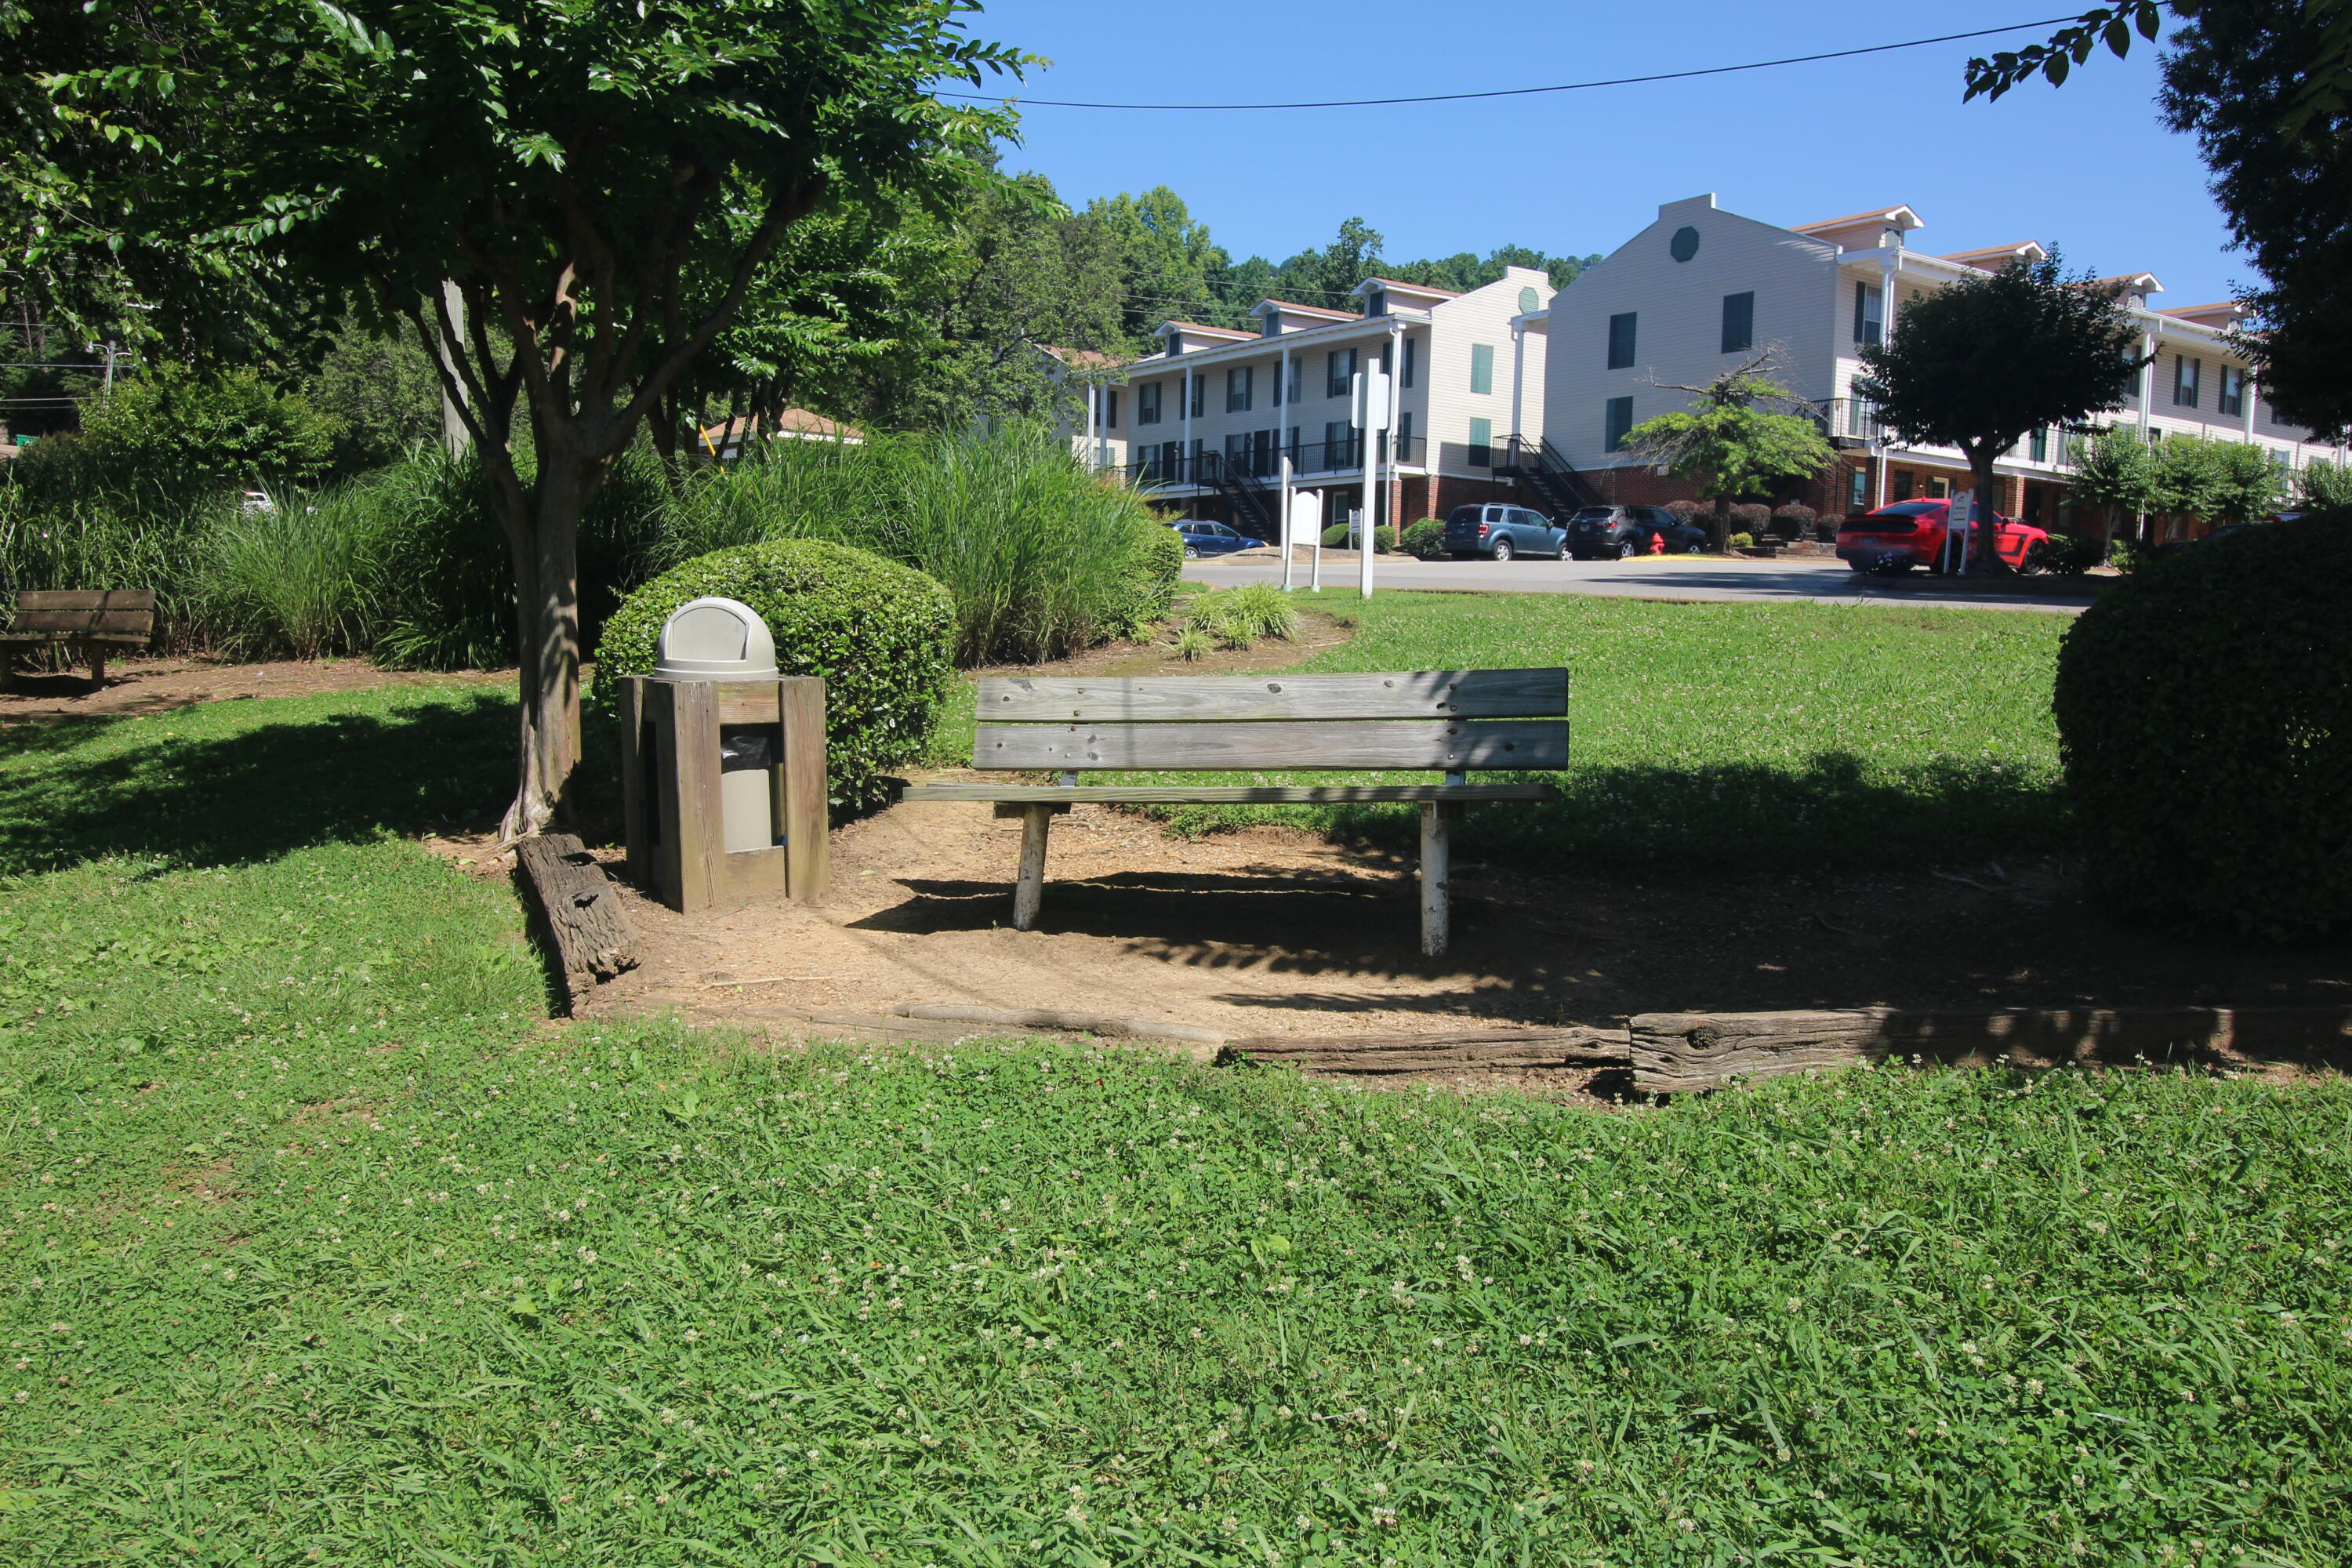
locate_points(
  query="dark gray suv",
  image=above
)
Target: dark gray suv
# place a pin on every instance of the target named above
(1616, 532)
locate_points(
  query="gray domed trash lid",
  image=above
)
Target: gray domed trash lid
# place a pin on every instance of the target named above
(724, 639)
(715, 639)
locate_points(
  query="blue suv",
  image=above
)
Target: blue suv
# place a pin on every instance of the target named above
(1502, 533)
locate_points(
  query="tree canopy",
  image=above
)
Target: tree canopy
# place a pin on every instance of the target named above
(1741, 433)
(1992, 356)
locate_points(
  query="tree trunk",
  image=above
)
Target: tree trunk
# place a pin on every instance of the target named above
(1984, 560)
(1719, 529)
(547, 626)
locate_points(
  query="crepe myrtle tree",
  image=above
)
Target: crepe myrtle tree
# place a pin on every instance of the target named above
(1986, 360)
(1742, 432)
(573, 198)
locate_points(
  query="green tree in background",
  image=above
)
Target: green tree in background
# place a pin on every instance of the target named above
(232, 430)
(1165, 258)
(1984, 361)
(383, 392)
(2113, 468)
(1740, 436)
(602, 184)
(2265, 86)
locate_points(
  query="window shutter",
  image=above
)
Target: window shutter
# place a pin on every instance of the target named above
(1481, 368)
(1482, 443)
(1620, 341)
(1738, 322)
(1617, 420)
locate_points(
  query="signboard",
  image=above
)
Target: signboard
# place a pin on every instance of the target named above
(1368, 400)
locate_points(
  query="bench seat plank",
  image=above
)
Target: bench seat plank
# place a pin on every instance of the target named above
(1415, 745)
(129, 639)
(1224, 794)
(1420, 694)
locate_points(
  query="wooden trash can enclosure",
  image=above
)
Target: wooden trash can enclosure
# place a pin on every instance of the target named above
(722, 766)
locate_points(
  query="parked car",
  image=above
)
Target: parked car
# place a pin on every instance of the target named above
(1607, 531)
(1895, 539)
(1211, 539)
(1502, 533)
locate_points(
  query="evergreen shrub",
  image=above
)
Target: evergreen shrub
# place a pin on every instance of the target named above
(2205, 722)
(1425, 539)
(882, 635)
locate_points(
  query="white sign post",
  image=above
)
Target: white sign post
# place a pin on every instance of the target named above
(1368, 405)
(1961, 520)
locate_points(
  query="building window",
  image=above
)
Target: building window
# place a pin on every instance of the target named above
(1738, 322)
(1869, 321)
(1902, 484)
(1482, 443)
(2184, 381)
(2038, 445)
(1404, 434)
(1110, 408)
(1620, 341)
(1340, 371)
(1238, 389)
(1529, 300)
(1146, 404)
(1376, 303)
(2232, 396)
(1615, 422)
(1171, 462)
(1411, 359)
(1857, 489)
(1338, 444)
(1200, 394)
(1270, 325)
(1298, 380)
(1481, 368)
(1175, 345)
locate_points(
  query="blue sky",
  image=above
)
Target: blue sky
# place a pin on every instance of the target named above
(2087, 166)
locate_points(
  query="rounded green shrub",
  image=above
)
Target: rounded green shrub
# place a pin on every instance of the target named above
(1425, 539)
(2070, 555)
(1336, 537)
(2205, 717)
(882, 635)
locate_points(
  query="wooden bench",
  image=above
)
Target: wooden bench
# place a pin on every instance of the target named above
(1448, 721)
(92, 620)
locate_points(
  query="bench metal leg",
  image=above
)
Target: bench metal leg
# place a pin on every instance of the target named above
(1030, 890)
(1436, 848)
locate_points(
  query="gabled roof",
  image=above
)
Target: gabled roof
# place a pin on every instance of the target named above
(1086, 359)
(1265, 305)
(2224, 313)
(2131, 282)
(1899, 216)
(1996, 255)
(794, 422)
(1393, 283)
(1166, 327)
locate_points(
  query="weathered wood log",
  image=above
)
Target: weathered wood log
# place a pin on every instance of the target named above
(1493, 1047)
(1676, 1052)
(582, 910)
(1103, 1024)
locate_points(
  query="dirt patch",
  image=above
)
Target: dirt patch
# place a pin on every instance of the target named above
(214, 1181)
(158, 685)
(1275, 931)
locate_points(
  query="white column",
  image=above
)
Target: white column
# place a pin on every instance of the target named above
(1519, 376)
(1094, 426)
(1287, 501)
(1184, 453)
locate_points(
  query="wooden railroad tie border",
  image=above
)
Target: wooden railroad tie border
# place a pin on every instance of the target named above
(593, 940)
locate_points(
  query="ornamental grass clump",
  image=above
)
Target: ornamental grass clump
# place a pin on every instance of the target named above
(1041, 556)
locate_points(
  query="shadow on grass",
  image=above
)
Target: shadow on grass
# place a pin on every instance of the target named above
(258, 792)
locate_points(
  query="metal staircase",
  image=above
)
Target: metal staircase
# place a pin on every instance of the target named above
(1256, 508)
(1537, 465)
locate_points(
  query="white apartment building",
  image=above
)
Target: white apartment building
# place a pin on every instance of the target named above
(1205, 422)
(1699, 289)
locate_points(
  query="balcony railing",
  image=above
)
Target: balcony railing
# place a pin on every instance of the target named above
(1851, 419)
(1159, 465)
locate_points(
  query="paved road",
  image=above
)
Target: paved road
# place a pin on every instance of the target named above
(1667, 577)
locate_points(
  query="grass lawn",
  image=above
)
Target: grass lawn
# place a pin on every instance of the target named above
(321, 1246)
(1758, 736)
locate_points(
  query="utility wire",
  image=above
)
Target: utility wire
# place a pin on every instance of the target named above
(1510, 92)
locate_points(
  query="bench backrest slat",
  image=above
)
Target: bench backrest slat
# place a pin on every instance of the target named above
(1419, 744)
(1424, 694)
(90, 612)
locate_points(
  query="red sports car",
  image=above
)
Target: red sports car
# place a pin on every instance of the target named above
(1895, 539)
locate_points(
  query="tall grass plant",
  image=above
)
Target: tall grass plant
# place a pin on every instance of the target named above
(1041, 556)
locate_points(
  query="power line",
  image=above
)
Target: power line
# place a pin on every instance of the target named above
(1513, 91)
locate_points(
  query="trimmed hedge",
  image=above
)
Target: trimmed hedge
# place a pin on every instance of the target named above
(882, 635)
(1425, 539)
(2205, 716)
